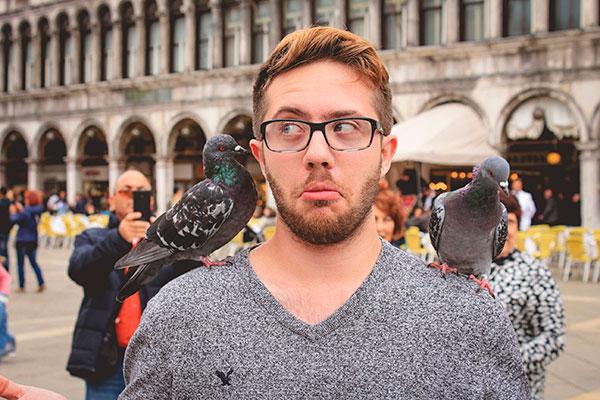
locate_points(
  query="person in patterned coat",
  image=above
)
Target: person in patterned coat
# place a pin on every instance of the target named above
(524, 285)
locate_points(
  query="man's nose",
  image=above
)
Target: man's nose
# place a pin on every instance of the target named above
(318, 152)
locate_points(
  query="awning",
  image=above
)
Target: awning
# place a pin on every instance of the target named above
(450, 134)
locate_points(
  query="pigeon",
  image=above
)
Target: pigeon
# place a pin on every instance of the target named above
(206, 217)
(468, 226)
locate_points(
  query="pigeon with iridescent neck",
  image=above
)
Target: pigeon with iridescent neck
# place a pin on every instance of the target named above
(207, 217)
(468, 227)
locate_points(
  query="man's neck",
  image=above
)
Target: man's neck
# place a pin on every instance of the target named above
(311, 281)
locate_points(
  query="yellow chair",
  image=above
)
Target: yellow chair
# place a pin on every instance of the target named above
(413, 242)
(268, 232)
(521, 237)
(545, 243)
(576, 253)
(596, 273)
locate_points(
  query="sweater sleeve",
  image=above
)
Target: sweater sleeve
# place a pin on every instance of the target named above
(506, 379)
(546, 318)
(93, 259)
(147, 366)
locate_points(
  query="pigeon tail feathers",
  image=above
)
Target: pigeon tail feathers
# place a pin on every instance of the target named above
(145, 252)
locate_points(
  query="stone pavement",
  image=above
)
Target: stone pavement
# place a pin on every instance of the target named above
(43, 323)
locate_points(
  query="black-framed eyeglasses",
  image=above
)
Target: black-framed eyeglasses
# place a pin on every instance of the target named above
(341, 134)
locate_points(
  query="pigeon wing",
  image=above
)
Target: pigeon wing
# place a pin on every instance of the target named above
(145, 252)
(500, 234)
(194, 219)
(436, 220)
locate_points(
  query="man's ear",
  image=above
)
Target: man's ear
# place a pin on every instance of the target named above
(388, 149)
(257, 149)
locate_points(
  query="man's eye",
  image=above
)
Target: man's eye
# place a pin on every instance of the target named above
(290, 129)
(344, 127)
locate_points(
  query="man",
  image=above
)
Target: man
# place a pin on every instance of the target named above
(103, 326)
(550, 214)
(5, 225)
(526, 203)
(325, 308)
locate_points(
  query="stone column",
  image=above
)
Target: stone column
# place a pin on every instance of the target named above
(246, 32)
(170, 185)
(307, 13)
(36, 79)
(33, 178)
(96, 52)
(161, 173)
(190, 40)
(76, 65)
(451, 24)
(116, 167)
(495, 18)
(72, 186)
(17, 65)
(589, 172)
(375, 20)
(55, 55)
(165, 43)
(117, 46)
(216, 10)
(140, 25)
(589, 13)
(340, 16)
(412, 34)
(539, 16)
(275, 28)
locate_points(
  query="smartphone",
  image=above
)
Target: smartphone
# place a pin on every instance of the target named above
(141, 203)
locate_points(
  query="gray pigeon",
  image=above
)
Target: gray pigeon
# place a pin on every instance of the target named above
(468, 227)
(207, 217)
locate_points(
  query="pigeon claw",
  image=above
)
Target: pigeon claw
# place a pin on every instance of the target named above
(444, 268)
(483, 284)
(208, 263)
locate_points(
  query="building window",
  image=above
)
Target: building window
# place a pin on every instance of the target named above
(178, 42)
(392, 24)
(231, 35)
(517, 17)
(106, 45)
(357, 14)
(292, 16)
(324, 12)
(45, 58)
(26, 66)
(85, 54)
(66, 51)
(260, 31)
(472, 20)
(153, 45)
(431, 22)
(7, 54)
(564, 14)
(203, 34)
(130, 41)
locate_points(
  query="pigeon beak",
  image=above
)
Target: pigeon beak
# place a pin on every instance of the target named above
(240, 149)
(504, 187)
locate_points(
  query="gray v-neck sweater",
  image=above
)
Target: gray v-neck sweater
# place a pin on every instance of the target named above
(405, 333)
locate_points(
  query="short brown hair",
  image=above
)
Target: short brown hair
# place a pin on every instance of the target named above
(390, 203)
(326, 43)
(512, 204)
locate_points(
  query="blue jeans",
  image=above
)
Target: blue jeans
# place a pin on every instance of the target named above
(108, 389)
(4, 249)
(5, 337)
(29, 250)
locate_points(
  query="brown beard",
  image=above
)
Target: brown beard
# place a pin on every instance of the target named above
(326, 231)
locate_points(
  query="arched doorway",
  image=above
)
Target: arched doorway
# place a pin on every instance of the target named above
(92, 154)
(52, 152)
(14, 156)
(186, 143)
(138, 149)
(541, 136)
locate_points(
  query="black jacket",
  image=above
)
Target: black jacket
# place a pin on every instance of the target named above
(91, 265)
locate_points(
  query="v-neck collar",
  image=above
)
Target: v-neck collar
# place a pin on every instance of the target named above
(265, 298)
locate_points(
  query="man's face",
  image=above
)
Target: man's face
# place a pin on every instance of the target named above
(517, 185)
(122, 201)
(323, 195)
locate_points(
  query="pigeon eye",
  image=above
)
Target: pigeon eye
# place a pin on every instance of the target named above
(221, 148)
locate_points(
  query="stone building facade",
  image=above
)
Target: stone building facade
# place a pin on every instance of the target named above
(89, 88)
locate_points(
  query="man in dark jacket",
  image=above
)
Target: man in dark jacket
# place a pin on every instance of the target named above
(104, 326)
(5, 224)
